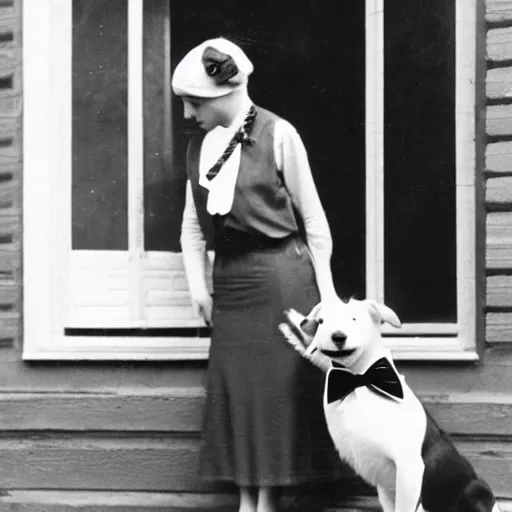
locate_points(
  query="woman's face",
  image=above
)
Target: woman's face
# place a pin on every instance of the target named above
(207, 112)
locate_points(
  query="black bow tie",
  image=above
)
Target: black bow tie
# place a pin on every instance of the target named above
(381, 377)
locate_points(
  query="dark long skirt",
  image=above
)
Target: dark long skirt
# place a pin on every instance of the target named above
(264, 421)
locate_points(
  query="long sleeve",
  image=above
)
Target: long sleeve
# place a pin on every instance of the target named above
(292, 159)
(193, 246)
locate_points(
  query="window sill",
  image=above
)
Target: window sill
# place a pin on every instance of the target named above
(94, 348)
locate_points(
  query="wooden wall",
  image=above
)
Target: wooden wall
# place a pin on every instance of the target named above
(10, 174)
(498, 167)
(498, 174)
(125, 436)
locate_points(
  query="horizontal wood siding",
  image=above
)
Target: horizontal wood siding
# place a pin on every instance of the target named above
(77, 501)
(498, 291)
(499, 85)
(499, 238)
(179, 411)
(499, 44)
(499, 327)
(10, 175)
(159, 463)
(498, 157)
(499, 191)
(150, 441)
(170, 410)
(498, 164)
(498, 11)
(131, 502)
(499, 120)
(96, 501)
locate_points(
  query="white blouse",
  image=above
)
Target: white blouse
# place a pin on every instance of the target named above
(291, 158)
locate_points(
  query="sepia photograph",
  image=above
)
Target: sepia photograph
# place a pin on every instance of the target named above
(255, 256)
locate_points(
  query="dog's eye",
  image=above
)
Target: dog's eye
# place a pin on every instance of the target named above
(354, 319)
(320, 321)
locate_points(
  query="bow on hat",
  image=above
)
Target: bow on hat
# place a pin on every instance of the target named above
(220, 66)
(381, 378)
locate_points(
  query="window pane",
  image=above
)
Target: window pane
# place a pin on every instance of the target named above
(309, 61)
(164, 175)
(419, 151)
(99, 175)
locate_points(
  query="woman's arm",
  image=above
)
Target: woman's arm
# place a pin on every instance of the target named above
(193, 246)
(292, 159)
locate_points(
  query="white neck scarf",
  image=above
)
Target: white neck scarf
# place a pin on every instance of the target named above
(221, 189)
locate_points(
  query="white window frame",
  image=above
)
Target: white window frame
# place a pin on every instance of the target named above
(47, 197)
(448, 341)
(52, 298)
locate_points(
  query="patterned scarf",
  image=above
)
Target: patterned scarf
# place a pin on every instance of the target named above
(241, 137)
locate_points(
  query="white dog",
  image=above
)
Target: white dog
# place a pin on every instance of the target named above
(378, 425)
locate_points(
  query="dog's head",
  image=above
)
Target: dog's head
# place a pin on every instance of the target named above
(343, 331)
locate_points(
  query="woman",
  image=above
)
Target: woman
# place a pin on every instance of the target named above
(251, 196)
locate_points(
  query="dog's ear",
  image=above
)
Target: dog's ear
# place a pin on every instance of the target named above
(382, 313)
(310, 323)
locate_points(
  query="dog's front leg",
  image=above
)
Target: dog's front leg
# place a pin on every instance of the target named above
(317, 358)
(386, 499)
(300, 340)
(409, 477)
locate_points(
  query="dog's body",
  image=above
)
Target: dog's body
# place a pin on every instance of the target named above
(352, 424)
(384, 433)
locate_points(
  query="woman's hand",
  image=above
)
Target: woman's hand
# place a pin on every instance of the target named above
(203, 305)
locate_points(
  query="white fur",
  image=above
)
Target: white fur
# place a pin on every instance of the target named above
(380, 438)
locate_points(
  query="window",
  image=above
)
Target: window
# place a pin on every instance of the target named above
(421, 172)
(104, 193)
(383, 98)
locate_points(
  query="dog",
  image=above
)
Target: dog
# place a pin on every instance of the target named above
(378, 425)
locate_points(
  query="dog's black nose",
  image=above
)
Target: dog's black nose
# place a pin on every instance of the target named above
(339, 338)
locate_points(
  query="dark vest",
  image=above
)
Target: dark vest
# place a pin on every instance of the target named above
(262, 205)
